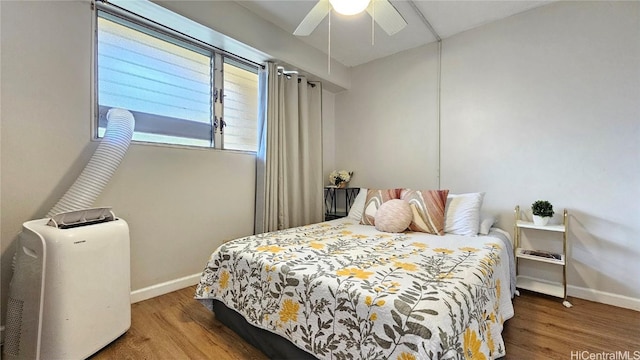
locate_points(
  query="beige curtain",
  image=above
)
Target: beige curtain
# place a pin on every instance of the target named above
(289, 182)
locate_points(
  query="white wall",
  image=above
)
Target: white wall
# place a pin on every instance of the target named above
(544, 104)
(328, 133)
(180, 203)
(386, 124)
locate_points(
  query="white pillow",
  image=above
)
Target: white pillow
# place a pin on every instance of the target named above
(355, 212)
(486, 222)
(462, 214)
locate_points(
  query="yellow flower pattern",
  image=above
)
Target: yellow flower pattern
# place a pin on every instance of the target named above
(374, 274)
(443, 276)
(355, 272)
(269, 268)
(472, 346)
(406, 356)
(224, 280)
(368, 300)
(406, 266)
(289, 311)
(444, 251)
(270, 248)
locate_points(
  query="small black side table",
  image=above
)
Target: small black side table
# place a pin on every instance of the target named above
(331, 195)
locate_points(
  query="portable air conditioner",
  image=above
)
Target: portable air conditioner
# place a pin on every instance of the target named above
(70, 292)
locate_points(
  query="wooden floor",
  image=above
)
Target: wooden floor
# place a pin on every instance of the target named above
(174, 326)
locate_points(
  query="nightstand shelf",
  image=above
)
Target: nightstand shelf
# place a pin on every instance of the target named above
(531, 225)
(548, 257)
(524, 253)
(540, 286)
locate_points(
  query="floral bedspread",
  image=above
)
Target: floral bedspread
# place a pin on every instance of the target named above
(341, 290)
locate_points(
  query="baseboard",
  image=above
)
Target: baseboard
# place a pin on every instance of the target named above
(604, 297)
(164, 288)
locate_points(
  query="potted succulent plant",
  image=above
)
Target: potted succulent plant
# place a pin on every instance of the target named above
(542, 211)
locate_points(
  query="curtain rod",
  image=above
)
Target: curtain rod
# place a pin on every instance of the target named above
(312, 84)
(281, 71)
(114, 9)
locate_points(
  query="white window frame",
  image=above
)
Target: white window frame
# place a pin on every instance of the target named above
(218, 55)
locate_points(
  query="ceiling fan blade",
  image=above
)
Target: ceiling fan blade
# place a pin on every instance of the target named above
(313, 18)
(386, 15)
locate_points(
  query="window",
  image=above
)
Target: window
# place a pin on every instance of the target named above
(173, 87)
(240, 106)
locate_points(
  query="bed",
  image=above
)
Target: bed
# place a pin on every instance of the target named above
(343, 290)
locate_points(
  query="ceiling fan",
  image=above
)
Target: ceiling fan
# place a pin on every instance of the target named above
(382, 12)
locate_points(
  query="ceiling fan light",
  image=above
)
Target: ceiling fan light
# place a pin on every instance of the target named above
(349, 7)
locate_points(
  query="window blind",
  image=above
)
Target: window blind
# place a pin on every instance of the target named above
(240, 106)
(165, 82)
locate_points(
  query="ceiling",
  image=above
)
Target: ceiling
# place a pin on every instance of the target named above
(351, 37)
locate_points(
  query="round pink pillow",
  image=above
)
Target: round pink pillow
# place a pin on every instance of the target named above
(393, 216)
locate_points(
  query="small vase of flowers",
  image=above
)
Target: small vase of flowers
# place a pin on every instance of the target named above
(340, 178)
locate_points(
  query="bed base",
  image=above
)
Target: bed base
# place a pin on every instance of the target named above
(272, 345)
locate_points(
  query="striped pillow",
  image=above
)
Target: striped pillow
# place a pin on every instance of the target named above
(375, 198)
(428, 209)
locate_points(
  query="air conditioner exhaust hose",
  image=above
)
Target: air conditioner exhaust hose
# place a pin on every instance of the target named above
(103, 164)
